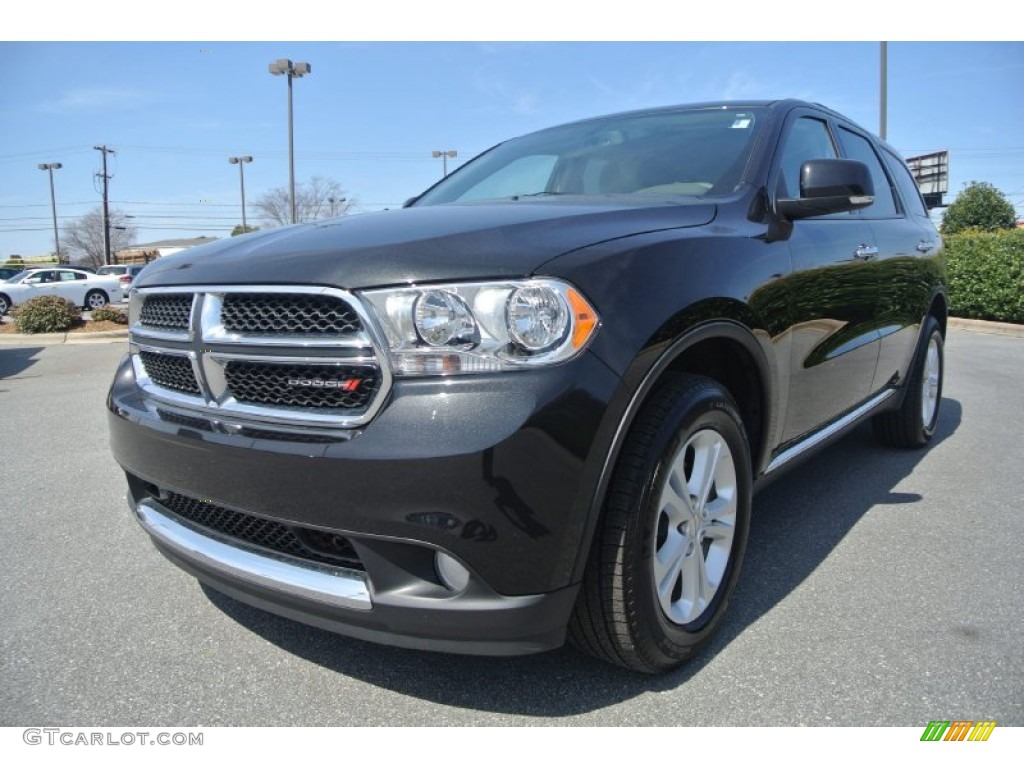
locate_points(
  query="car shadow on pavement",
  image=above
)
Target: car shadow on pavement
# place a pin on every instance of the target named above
(14, 360)
(792, 533)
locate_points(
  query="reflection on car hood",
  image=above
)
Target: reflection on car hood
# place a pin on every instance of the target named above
(449, 242)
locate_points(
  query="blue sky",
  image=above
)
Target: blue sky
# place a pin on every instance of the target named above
(370, 113)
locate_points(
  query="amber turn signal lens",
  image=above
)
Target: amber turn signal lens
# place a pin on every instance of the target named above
(584, 318)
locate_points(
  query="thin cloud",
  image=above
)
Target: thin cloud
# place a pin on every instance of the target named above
(96, 99)
(504, 98)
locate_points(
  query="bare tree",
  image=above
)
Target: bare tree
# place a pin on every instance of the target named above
(319, 198)
(84, 237)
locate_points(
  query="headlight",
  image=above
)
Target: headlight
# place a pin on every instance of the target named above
(538, 318)
(481, 327)
(442, 318)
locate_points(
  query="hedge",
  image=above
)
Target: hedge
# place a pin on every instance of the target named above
(985, 273)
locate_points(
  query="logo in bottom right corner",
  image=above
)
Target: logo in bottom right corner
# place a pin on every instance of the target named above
(958, 730)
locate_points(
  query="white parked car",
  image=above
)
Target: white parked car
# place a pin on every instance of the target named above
(83, 288)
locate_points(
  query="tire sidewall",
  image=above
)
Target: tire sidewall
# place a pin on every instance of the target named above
(92, 293)
(934, 334)
(708, 408)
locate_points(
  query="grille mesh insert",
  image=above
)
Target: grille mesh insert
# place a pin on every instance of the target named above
(170, 371)
(167, 311)
(326, 547)
(302, 385)
(288, 314)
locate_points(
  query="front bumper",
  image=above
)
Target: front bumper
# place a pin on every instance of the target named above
(496, 471)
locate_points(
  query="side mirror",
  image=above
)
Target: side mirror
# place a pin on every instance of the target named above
(829, 186)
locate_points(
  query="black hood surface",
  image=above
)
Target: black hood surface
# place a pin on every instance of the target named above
(421, 244)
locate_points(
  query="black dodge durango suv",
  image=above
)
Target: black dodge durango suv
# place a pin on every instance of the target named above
(537, 400)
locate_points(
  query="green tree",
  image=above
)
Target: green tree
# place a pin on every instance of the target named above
(238, 230)
(979, 206)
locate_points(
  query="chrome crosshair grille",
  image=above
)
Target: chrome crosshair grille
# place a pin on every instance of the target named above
(271, 355)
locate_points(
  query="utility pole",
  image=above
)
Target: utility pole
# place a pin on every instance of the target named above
(106, 202)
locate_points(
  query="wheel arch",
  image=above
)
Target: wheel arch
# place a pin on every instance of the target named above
(939, 309)
(725, 350)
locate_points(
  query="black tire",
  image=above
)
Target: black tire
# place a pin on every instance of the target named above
(5, 304)
(620, 615)
(96, 300)
(913, 425)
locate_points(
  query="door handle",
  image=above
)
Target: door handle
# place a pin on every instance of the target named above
(865, 252)
(924, 246)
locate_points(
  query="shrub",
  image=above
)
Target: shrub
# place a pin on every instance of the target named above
(46, 314)
(111, 314)
(985, 272)
(979, 206)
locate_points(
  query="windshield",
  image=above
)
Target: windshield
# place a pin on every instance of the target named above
(17, 277)
(693, 153)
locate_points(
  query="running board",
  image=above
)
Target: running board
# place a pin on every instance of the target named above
(828, 432)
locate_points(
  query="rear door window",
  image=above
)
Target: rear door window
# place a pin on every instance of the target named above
(859, 148)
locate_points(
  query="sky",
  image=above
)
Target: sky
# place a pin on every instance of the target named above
(371, 113)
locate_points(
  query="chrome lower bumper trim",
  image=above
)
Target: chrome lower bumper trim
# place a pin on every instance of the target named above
(338, 587)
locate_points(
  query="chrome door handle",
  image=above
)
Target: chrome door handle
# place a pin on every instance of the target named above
(924, 246)
(865, 252)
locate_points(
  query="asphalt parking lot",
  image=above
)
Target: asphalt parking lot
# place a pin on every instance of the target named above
(881, 587)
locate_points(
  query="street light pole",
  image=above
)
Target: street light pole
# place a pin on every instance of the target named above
(51, 167)
(335, 201)
(296, 69)
(444, 155)
(884, 90)
(240, 162)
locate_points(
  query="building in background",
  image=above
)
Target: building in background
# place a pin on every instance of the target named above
(146, 252)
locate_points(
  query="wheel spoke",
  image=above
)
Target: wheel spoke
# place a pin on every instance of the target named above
(675, 504)
(705, 465)
(667, 562)
(719, 530)
(693, 578)
(704, 589)
(723, 508)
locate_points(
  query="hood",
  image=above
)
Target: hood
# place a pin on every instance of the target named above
(504, 239)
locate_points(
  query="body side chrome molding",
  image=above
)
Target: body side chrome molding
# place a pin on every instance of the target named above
(817, 438)
(337, 587)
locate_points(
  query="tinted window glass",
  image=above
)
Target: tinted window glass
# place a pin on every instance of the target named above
(808, 139)
(908, 188)
(71, 276)
(859, 148)
(687, 153)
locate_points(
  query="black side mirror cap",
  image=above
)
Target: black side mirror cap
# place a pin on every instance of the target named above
(829, 186)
